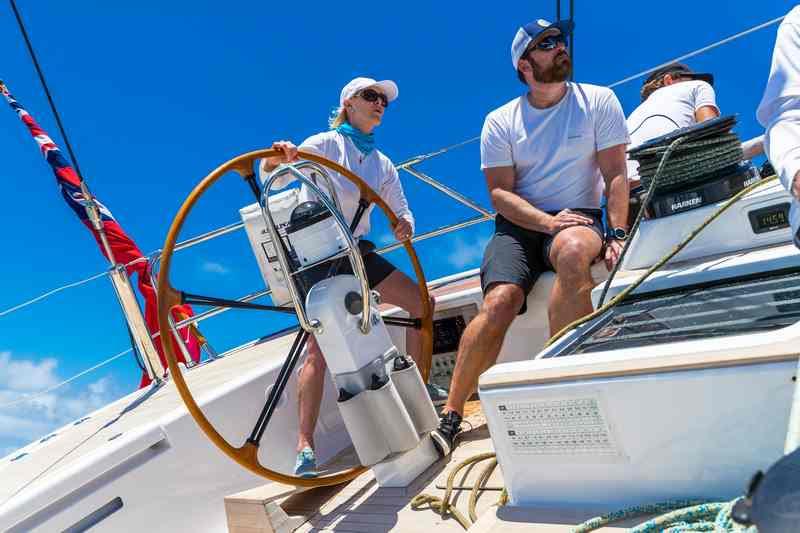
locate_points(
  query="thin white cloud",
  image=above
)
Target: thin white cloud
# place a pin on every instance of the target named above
(213, 267)
(30, 420)
(22, 375)
(467, 253)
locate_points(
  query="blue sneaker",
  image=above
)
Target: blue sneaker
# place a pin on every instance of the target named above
(306, 464)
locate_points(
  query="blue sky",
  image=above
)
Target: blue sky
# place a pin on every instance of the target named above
(156, 94)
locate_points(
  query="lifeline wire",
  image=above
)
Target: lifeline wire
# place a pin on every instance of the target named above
(50, 293)
(48, 390)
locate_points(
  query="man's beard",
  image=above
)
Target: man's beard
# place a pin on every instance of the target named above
(559, 71)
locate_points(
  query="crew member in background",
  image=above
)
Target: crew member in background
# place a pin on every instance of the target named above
(779, 112)
(673, 97)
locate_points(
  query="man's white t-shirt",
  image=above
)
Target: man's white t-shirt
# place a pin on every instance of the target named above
(554, 150)
(779, 111)
(667, 109)
(375, 169)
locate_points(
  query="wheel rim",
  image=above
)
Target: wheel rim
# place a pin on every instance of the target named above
(247, 454)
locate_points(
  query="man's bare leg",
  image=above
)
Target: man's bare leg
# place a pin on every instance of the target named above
(310, 385)
(481, 342)
(571, 255)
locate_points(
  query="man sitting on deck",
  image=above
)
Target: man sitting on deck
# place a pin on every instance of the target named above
(545, 155)
(779, 112)
(673, 97)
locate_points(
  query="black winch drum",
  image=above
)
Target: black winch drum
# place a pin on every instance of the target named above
(705, 168)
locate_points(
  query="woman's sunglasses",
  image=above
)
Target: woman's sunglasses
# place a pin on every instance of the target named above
(550, 42)
(371, 95)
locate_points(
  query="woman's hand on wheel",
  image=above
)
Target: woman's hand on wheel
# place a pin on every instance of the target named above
(289, 154)
(402, 230)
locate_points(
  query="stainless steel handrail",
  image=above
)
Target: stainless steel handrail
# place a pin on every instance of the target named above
(355, 256)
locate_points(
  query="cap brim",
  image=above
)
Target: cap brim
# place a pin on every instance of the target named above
(389, 88)
(705, 76)
(566, 26)
(563, 26)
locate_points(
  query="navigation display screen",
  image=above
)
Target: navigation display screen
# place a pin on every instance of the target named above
(770, 218)
(446, 333)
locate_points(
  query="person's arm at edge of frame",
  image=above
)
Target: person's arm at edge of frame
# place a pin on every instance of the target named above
(615, 173)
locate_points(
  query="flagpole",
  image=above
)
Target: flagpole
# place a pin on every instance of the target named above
(76, 191)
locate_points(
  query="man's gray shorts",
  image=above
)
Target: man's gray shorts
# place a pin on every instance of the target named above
(518, 255)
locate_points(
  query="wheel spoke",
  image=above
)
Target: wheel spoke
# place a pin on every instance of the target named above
(415, 323)
(277, 389)
(199, 299)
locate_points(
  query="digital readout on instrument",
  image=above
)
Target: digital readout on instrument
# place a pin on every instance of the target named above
(771, 218)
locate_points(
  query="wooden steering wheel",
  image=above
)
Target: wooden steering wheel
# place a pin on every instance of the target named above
(247, 454)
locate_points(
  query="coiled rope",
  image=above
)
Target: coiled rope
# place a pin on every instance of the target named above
(679, 516)
(445, 505)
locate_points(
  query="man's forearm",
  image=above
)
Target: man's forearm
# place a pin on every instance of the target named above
(618, 195)
(519, 211)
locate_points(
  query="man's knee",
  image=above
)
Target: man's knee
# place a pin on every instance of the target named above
(574, 257)
(501, 305)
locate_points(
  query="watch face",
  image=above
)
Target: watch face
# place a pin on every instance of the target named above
(620, 233)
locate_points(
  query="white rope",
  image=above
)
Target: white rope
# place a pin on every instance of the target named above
(50, 293)
(34, 396)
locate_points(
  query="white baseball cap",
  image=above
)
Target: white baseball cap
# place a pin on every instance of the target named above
(387, 87)
(531, 31)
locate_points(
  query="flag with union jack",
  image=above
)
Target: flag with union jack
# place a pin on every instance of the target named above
(123, 248)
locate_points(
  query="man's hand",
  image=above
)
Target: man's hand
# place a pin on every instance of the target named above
(796, 186)
(402, 230)
(566, 219)
(613, 249)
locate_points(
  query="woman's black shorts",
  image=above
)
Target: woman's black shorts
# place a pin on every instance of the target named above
(377, 267)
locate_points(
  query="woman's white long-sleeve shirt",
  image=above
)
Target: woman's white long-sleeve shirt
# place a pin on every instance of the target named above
(375, 169)
(779, 111)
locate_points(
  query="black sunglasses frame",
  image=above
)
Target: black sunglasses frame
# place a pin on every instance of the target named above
(371, 95)
(552, 43)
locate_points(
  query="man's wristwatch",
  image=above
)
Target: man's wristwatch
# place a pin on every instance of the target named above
(619, 234)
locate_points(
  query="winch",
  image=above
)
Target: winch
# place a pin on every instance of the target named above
(705, 168)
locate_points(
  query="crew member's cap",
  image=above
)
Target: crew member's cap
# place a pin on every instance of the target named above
(531, 31)
(682, 70)
(387, 87)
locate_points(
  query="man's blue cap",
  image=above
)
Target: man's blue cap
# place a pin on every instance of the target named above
(529, 32)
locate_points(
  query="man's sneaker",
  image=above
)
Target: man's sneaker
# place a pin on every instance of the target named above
(444, 436)
(306, 464)
(437, 394)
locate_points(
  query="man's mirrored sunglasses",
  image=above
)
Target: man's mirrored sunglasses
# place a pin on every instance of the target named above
(371, 95)
(550, 42)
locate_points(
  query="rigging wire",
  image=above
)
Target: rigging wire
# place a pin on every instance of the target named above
(699, 51)
(46, 89)
(50, 293)
(48, 390)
